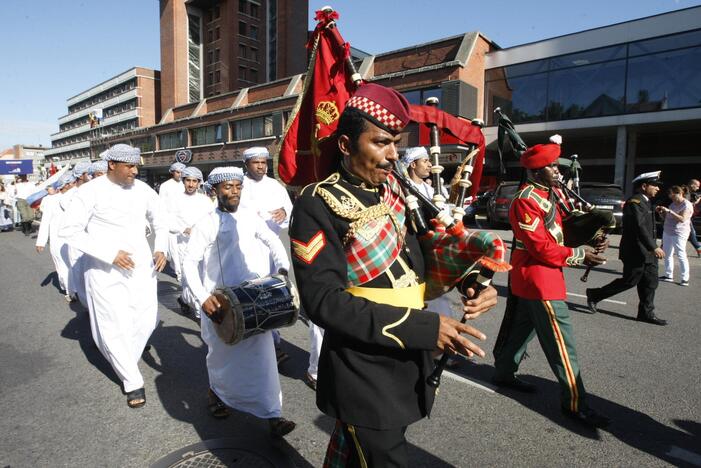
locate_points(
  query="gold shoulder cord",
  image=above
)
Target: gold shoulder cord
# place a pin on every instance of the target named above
(357, 217)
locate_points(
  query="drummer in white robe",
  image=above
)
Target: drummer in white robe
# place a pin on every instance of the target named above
(190, 207)
(169, 192)
(267, 197)
(51, 217)
(242, 376)
(107, 221)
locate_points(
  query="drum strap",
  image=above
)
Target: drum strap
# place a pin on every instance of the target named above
(412, 296)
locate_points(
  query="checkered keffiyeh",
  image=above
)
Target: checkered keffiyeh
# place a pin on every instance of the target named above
(123, 153)
(256, 152)
(449, 257)
(192, 172)
(178, 166)
(223, 174)
(98, 166)
(377, 112)
(368, 258)
(413, 154)
(65, 180)
(81, 168)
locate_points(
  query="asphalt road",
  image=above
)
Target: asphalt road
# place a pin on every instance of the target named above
(61, 404)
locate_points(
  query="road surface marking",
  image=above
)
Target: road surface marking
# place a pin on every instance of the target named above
(604, 300)
(484, 386)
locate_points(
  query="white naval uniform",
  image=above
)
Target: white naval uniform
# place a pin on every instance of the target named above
(189, 209)
(169, 192)
(104, 218)
(244, 376)
(51, 217)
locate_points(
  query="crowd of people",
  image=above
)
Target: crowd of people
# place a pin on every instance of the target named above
(359, 270)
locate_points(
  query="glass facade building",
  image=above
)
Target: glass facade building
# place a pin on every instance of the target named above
(662, 73)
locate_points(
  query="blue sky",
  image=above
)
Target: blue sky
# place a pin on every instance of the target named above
(55, 49)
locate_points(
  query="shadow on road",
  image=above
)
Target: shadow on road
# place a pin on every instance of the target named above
(631, 427)
(51, 279)
(178, 354)
(585, 310)
(78, 328)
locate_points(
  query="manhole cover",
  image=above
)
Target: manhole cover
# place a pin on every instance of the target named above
(222, 453)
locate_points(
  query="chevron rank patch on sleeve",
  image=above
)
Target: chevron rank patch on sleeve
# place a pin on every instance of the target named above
(307, 252)
(530, 223)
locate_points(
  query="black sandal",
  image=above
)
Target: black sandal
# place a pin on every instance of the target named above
(280, 427)
(217, 408)
(136, 398)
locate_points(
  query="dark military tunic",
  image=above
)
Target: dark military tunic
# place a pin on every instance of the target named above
(375, 357)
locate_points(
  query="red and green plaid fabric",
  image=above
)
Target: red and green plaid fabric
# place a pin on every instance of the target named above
(449, 256)
(338, 451)
(368, 258)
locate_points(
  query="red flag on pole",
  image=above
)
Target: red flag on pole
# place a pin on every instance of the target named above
(308, 153)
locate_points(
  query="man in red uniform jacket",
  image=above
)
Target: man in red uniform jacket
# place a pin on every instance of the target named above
(538, 286)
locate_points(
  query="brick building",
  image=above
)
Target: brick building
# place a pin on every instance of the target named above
(124, 102)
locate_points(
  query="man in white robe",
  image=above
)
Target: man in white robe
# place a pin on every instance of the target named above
(229, 240)
(190, 207)
(170, 192)
(51, 216)
(269, 199)
(107, 221)
(76, 281)
(98, 168)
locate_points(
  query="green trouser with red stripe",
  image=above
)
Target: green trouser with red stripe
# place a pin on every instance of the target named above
(550, 320)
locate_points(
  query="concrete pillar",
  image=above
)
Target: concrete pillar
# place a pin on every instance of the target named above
(619, 171)
(630, 162)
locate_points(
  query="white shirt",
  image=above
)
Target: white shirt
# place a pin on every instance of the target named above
(230, 244)
(264, 196)
(104, 218)
(188, 210)
(51, 216)
(169, 193)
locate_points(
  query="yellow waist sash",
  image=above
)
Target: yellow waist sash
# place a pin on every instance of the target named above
(412, 296)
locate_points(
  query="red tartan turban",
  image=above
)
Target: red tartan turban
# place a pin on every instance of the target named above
(384, 107)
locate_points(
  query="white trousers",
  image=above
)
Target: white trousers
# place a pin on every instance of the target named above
(316, 337)
(675, 245)
(123, 313)
(174, 255)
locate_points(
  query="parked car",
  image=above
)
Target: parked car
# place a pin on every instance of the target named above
(498, 204)
(604, 197)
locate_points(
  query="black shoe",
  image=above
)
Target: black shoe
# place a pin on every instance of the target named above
(514, 383)
(653, 320)
(587, 417)
(280, 427)
(591, 303)
(310, 381)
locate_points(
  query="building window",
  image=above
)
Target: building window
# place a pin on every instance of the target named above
(210, 57)
(253, 75)
(210, 78)
(217, 13)
(242, 73)
(242, 6)
(254, 10)
(253, 32)
(194, 50)
(242, 51)
(172, 140)
(242, 28)
(207, 135)
(419, 96)
(145, 144)
(217, 76)
(272, 40)
(216, 55)
(210, 36)
(254, 54)
(217, 33)
(258, 127)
